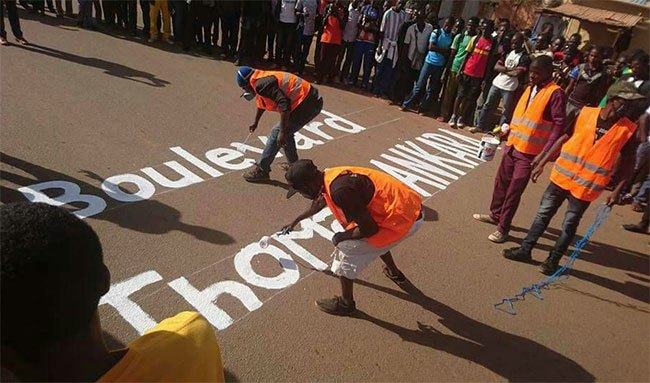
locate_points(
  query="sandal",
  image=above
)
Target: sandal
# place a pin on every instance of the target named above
(336, 306)
(399, 278)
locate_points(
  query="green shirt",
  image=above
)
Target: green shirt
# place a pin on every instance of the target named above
(459, 45)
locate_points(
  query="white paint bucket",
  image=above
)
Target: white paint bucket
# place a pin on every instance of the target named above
(488, 148)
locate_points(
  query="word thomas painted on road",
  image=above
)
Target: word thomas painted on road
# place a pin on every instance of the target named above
(428, 163)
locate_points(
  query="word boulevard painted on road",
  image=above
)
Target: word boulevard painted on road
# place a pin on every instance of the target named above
(427, 164)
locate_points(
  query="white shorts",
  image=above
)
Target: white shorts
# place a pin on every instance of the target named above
(351, 257)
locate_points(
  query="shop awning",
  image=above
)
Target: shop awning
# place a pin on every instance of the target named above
(595, 15)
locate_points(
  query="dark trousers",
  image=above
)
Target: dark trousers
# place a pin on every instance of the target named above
(98, 10)
(383, 77)
(430, 74)
(229, 32)
(509, 185)
(345, 57)
(12, 14)
(192, 25)
(270, 31)
(144, 6)
(299, 117)
(304, 45)
(284, 46)
(552, 199)
(364, 51)
(207, 18)
(113, 12)
(59, 7)
(85, 16)
(469, 90)
(131, 17)
(252, 42)
(179, 18)
(328, 56)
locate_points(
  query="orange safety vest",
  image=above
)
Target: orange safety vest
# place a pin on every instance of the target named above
(584, 167)
(529, 132)
(294, 87)
(394, 206)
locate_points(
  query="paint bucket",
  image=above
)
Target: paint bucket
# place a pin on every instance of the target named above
(488, 148)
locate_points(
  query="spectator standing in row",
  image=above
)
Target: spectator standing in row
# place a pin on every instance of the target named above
(252, 42)
(230, 14)
(306, 10)
(350, 32)
(511, 68)
(68, 8)
(413, 50)
(180, 16)
(458, 53)
(390, 25)
(330, 41)
(472, 72)
(286, 33)
(502, 37)
(14, 22)
(588, 83)
(366, 44)
(85, 16)
(434, 64)
(159, 7)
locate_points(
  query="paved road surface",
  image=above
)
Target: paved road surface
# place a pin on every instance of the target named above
(180, 228)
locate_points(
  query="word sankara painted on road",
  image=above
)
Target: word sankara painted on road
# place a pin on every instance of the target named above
(427, 164)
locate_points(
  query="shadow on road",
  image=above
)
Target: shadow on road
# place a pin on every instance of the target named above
(150, 216)
(511, 356)
(604, 255)
(110, 68)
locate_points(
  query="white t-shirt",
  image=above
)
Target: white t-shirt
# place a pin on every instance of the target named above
(351, 27)
(502, 80)
(418, 40)
(311, 8)
(288, 12)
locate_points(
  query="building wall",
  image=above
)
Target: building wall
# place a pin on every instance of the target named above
(601, 35)
(521, 17)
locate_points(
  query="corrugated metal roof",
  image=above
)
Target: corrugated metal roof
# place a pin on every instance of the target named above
(595, 15)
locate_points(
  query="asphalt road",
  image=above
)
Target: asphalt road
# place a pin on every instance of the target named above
(83, 107)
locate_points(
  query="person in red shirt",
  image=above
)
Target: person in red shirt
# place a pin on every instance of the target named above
(472, 71)
(330, 41)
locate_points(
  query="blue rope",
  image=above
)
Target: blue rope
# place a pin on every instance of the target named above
(559, 276)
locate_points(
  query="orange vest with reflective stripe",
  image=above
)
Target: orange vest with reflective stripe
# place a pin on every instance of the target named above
(529, 132)
(294, 87)
(584, 168)
(394, 207)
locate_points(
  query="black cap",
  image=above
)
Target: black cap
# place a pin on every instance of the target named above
(299, 174)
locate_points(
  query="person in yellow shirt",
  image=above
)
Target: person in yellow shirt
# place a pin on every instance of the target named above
(52, 277)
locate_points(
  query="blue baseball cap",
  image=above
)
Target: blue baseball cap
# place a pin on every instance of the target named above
(244, 74)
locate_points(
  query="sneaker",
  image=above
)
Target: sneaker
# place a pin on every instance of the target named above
(284, 166)
(498, 237)
(517, 254)
(22, 40)
(336, 306)
(151, 40)
(4, 41)
(486, 218)
(440, 119)
(256, 175)
(474, 130)
(398, 277)
(551, 264)
(452, 120)
(168, 41)
(460, 123)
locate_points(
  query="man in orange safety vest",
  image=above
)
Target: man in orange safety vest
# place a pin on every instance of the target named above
(376, 211)
(297, 101)
(602, 144)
